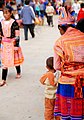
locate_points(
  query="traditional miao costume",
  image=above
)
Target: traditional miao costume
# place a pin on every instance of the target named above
(69, 56)
(11, 51)
(65, 18)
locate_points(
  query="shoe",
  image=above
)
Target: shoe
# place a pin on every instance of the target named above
(33, 36)
(26, 40)
(2, 83)
(52, 25)
(18, 76)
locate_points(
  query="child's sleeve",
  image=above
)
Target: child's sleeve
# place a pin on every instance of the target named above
(43, 79)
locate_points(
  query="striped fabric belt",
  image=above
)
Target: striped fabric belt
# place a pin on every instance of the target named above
(79, 83)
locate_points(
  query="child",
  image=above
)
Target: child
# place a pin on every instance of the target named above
(11, 51)
(50, 82)
(50, 13)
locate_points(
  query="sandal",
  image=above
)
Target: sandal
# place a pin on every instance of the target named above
(3, 83)
(18, 76)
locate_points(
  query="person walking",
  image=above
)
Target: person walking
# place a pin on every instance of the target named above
(69, 58)
(11, 50)
(28, 18)
(50, 13)
(81, 12)
(42, 12)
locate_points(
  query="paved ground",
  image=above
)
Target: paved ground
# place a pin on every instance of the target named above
(23, 99)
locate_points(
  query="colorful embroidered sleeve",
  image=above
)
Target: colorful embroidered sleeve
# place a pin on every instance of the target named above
(58, 54)
(57, 62)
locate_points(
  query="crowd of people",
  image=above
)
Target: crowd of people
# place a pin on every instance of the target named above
(64, 79)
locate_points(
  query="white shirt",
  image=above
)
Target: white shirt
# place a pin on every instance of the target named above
(1, 16)
(76, 7)
(49, 10)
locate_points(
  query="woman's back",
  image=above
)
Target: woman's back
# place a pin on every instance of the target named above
(70, 48)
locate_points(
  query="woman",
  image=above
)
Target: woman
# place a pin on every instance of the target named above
(65, 14)
(69, 58)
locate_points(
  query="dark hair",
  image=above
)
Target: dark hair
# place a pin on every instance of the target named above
(64, 27)
(11, 3)
(7, 7)
(9, 10)
(80, 25)
(49, 62)
(82, 5)
(1, 4)
(27, 2)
